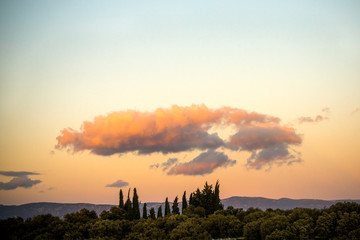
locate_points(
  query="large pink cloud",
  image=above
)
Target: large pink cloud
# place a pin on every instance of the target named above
(175, 130)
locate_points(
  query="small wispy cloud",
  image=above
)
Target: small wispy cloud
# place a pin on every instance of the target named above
(326, 110)
(165, 165)
(357, 110)
(203, 164)
(17, 174)
(118, 184)
(171, 161)
(316, 119)
(20, 179)
(154, 166)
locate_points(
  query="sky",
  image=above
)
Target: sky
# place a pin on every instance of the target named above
(97, 96)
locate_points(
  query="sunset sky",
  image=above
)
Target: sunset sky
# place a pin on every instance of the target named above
(263, 96)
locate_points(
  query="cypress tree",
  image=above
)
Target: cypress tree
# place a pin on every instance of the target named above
(121, 199)
(128, 208)
(145, 211)
(167, 207)
(191, 200)
(184, 202)
(207, 199)
(136, 208)
(217, 203)
(159, 213)
(152, 213)
(175, 206)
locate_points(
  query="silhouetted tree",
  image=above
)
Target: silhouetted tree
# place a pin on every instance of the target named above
(159, 212)
(191, 200)
(184, 202)
(152, 213)
(175, 206)
(208, 198)
(136, 208)
(167, 207)
(217, 203)
(121, 199)
(145, 211)
(128, 207)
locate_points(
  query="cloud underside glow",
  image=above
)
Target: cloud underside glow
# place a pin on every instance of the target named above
(203, 164)
(180, 129)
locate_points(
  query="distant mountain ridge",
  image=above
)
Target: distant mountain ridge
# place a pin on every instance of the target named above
(61, 209)
(282, 203)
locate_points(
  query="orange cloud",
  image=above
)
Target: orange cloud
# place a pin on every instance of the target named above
(175, 130)
(165, 130)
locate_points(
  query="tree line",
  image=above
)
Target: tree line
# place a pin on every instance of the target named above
(203, 202)
(202, 217)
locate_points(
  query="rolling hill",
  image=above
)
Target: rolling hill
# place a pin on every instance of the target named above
(61, 209)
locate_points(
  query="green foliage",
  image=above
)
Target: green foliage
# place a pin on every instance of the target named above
(114, 213)
(189, 229)
(280, 235)
(325, 225)
(12, 228)
(83, 216)
(117, 229)
(277, 222)
(220, 226)
(175, 206)
(252, 229)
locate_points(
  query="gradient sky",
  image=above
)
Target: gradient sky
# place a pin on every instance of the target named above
(66, 62)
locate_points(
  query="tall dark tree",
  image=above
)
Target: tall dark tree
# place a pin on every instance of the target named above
(175, 206)
(128, 207)
(207, 198)
(197, 198)
(121, 199)
(152, 213)
(135, 208)
(159, 212)
(167, 207)
(191, 200)
(184, 202)
(145, 211)
(217, 203)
